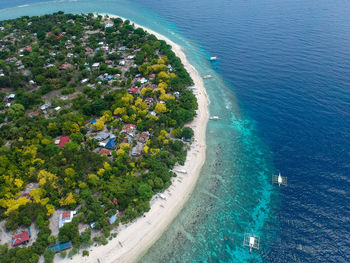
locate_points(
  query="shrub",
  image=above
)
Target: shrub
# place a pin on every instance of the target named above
(73, 252)
(48, 256)
(63, 254)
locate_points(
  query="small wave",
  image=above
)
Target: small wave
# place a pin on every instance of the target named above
(63, 1)
(228, 105)
(338, 191)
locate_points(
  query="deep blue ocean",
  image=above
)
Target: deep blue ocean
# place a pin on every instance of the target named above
(282, 89)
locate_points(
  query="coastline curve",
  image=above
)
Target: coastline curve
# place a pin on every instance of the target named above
(134, 239)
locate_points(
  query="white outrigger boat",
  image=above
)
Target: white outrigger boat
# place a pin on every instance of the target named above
(183, 171)
(252, 241)
(162, 196)
(207, 76)
(279, 179)
(213, 58)
(214, 118)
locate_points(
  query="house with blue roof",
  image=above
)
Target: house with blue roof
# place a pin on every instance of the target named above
(112, 219)
(111, 144)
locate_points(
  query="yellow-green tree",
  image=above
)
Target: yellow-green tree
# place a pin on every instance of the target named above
(107, 166)
(35, 194)
(125, 147)
(125, 118)
(93, 179)
(145, 68)
(107, 115)
(120, 152)
(163, 76)
(166, 97)
(127, 99)
(101, 171)
(99, 125)
(140, 104)
(68, 200)
(12, 204)
(163, 135)
(158, 67)
(145, 90)
(163, 85)
(161, 61)
(119, 111)
(160, 108)
(69, 172)
(50, 209)
(47, 177)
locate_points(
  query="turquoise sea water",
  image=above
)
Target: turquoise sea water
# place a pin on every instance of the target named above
(288, 63)
(234, 194)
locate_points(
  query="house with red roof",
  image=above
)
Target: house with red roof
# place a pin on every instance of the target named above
(149, 101)
(65, 217)
(29, 48)
(144, 137)
(63, 141)
(127, 139)
(19, 239)
(133, 90)
(65, 66)
(105, 152)
(129, 129)
(137, 150)
(37, 113)
(14, 59)
(152, 76)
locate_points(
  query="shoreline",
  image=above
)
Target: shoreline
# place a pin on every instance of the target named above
(134, 239)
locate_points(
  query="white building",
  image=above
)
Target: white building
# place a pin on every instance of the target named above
(96, 65)
(66, 217)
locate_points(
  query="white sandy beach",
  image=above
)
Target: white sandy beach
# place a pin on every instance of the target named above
(136, 238)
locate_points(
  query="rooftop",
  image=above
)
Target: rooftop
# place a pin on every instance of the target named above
(63, 141)
(20, 238)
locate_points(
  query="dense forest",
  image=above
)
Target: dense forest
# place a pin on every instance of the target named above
(92, 115)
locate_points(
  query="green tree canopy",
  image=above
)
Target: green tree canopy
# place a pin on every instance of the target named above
(145, 191)
(187, 133)
(15, 111)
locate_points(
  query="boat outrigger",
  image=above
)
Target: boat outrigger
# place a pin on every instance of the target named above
(279, 179)
(214, 118)
(213, 58)
(252, 241)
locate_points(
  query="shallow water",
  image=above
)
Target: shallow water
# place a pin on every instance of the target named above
(281, 88)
